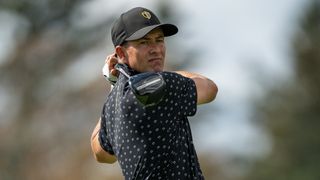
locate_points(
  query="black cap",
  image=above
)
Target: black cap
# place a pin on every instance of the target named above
(136, 23)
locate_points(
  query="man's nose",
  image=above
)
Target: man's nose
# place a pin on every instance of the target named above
(154, 47)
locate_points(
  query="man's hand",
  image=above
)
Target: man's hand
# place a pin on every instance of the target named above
(111, 61)
(109, 71)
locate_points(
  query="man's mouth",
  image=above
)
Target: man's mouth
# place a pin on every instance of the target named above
(155, 59)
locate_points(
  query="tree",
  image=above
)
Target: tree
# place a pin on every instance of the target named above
(44, 139)
(291, 111)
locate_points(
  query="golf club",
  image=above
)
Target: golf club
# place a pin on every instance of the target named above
(148, 87)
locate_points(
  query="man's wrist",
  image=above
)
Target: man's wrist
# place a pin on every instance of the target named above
(111, 79)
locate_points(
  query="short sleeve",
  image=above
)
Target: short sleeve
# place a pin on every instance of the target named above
(189, 97)
(103, 140)
(182, 91)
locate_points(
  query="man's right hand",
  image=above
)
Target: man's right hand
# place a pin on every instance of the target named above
(109, 71)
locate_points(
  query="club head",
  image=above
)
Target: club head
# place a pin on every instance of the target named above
(148, 87)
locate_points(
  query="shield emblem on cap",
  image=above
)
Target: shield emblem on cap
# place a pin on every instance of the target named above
(146, 14)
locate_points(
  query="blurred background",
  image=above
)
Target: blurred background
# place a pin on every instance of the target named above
(263, 55)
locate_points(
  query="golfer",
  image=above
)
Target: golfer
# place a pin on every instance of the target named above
(149, 141)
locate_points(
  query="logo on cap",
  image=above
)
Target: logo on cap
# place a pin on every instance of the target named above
(146, 14)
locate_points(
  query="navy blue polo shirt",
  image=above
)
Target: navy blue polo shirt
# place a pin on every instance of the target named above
(153, 142)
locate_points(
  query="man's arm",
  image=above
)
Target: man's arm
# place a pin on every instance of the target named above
(206, 88)
(100, 154)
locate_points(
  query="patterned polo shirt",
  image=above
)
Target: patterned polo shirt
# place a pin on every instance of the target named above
(153, 142)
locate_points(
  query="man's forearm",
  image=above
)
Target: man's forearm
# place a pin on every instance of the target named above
(206, 88)
(100, 154)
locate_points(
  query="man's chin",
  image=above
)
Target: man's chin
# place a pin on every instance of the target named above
(157, 68)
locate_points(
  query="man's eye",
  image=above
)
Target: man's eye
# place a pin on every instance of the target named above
(143, 42)
(160, 40)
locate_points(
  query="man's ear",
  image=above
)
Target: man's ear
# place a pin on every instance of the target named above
(121, 53)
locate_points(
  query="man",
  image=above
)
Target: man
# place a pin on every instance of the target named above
(149, 142)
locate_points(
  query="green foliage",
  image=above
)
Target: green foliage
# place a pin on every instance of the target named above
(291, 112)
(46, 134)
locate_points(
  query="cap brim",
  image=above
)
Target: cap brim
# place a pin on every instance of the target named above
(168, 30)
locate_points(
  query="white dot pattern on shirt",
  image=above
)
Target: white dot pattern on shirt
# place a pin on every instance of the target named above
(155, 141)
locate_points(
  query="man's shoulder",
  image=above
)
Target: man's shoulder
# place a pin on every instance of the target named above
(171, 75)
(175, 78)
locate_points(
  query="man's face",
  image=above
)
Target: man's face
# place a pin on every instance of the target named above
(147, 53)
